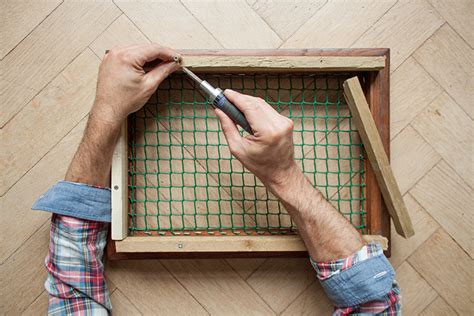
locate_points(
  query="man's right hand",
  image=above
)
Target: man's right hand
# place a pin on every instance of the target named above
(269, 152)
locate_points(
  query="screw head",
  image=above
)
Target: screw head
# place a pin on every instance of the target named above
(116, 187)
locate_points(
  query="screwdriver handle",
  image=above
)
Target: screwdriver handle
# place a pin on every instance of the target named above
(232, 111)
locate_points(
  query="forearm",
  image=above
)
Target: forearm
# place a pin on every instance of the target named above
(92, 161)
(326, 233)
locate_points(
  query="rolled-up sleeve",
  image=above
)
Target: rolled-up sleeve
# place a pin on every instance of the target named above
(78, 236)
(363, 283)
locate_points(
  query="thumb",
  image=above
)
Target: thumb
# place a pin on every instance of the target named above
(230, 130)
(160, 72)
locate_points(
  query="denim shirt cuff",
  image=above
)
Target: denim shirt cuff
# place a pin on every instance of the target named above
(76, 200)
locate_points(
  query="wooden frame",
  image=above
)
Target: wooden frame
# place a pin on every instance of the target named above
(372, 66)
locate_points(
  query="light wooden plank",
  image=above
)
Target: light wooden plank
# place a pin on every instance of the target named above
(377, 157)
(121, 305)
(411, 90)
(47, 118)
(245, 266)
(229, 20)
(424, 226)
(280, 280)
(217, 287)
(459, 14)
(22, 275)
(449, 60)
(48, 49)
(412, 158)
(39, 305)
(119, 186)
(279, 63)
(403, 28)
(152, 288)
(313, 301)
(417, 293)
(438, 307)
(19, 18)
(168, 23)
(448, 269)
(285, 17)
(120, 33)
(446, 127)
(449, 200)
(338, 24)
(183, 244)
(19, 221)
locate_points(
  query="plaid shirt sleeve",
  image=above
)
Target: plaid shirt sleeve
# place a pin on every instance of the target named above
(78, 235)
(388, 304)
(75, 281)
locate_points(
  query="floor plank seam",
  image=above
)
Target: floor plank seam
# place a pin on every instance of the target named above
(32, 302)
(19, 42)
(207, 30)
(264, 21)
(302, 292)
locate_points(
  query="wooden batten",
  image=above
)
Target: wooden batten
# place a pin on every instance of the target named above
(224, 244)
(283, 63)
(119, 186)
(378, 158)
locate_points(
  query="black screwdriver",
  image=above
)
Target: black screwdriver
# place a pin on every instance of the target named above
(219, 101)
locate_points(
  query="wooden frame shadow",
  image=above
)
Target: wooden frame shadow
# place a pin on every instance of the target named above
(372, 67)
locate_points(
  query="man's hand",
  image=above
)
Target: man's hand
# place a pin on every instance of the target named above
(269, 152)
(123, 85)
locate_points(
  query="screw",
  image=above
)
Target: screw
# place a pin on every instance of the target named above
(180, 245)
(116, 187)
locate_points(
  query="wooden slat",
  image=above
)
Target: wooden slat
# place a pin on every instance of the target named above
(377, 156)
(438, 307)
(184, 244)
(313, 301)
(283, 63)
(119, 186)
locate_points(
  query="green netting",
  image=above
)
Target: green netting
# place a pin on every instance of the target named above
(183, 179)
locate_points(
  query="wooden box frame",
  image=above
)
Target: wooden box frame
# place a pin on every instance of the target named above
(373, 70)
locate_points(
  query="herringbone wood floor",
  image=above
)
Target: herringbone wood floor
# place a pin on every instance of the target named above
(50, 51)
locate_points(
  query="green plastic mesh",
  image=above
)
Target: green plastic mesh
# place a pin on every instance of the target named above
(183, 179)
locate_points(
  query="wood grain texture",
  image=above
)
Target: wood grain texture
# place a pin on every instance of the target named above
(152, 288)
(438, 307)
(39, 306)
(121, 305)
(280, 281)
(285, 17)
(48, 49)
(417, 293)
(67, 98)
(449, 200)
(412, 158)
(19, 18)
(283, 63)
(313, 301)
(377, 156)
(168, 23)
(412, 90)
(22, 275)
(449, 60)
(217, 287)
(424, 226)
(460, 16)
(402, 35)
(122, 32)
(231, 18)
(16, 206)
(245, 266)
(454, 284)
(338, 24)
(119, 186)
(449, 130)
